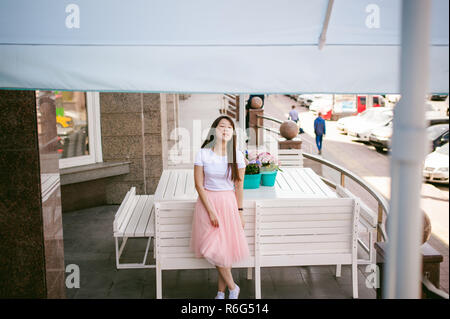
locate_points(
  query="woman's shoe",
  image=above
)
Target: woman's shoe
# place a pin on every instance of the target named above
(234, 294)
(220, 295)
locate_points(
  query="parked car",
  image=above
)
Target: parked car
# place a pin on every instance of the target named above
(293, 96)
(64, 121)
(438, 129)
(321, 103)
(438, 135)
(380, 137)
(362, 128)
(305, 99)
(435, 168)
(438, 97)
(342, 123)
(432, 111)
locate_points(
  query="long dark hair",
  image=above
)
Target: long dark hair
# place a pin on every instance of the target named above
(211, 140)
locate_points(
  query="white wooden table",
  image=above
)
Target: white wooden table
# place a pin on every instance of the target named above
(293, 182)
(178, 185)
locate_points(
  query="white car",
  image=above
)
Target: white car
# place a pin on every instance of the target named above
(322, 104)
(431, 110)
(305, 99)
(435, 168)
(343, 123)
(362, 127)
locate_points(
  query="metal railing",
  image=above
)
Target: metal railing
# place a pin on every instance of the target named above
(268, 129)
(383, 205)
(270, 119)
(382, 202)
(231, 106)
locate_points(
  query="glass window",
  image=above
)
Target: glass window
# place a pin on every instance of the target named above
(77, 127)
(71, 124)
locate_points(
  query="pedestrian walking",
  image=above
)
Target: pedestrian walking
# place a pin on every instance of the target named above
(218, 221)
(320, 131)
(293, 115)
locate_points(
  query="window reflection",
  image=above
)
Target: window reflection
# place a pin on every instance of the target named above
(71, 122)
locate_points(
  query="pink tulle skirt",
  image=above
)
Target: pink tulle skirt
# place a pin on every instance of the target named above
(224, 245)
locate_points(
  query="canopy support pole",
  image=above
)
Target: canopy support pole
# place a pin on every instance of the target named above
(405, 229)
(242, 114)
(323, 35)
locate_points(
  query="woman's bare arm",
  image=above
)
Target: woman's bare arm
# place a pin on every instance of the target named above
(199, 178)
(239, 187)
(239, 190)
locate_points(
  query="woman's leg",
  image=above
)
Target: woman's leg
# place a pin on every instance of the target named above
(222, 285)
(226, 276)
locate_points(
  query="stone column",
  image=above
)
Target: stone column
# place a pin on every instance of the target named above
(31, 249)
(285, 144)
(256, 135)
(131, 131)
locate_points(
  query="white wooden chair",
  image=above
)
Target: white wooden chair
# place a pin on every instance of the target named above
(306, 232)
(173, 234)
(367, 227)
(290, 158)
(134, 219)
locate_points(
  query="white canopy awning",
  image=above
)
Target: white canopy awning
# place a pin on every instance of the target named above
(202, 46)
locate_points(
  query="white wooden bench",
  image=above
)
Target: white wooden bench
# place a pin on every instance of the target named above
(134, 219)
(307, 232)
(290, 158)
(173, 235)
(300, 232)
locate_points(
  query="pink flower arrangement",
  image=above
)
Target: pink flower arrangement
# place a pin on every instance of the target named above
(267, 161)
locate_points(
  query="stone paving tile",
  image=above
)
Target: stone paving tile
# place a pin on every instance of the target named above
(282, 276)
(92, 294)
(317, 269)
(296, 291)
(149, 291)
(363, 292)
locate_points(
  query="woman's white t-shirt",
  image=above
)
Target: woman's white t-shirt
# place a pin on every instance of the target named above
(215, 169)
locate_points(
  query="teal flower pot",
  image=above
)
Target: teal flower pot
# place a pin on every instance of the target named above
(268, 178)
(252, 181)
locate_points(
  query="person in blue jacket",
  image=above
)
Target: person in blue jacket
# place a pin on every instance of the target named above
(320, 131)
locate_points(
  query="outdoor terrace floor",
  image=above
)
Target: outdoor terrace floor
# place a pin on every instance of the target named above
(89, 243)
